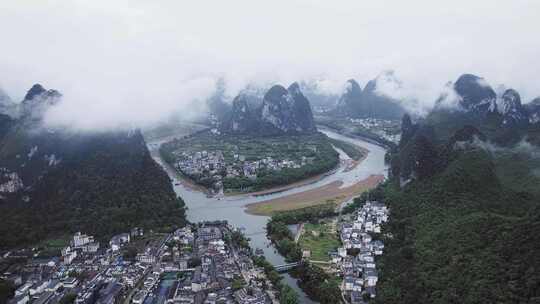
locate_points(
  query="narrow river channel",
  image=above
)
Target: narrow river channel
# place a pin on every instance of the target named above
(231, 208)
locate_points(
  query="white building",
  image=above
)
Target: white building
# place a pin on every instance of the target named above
(91, 247)
(70, 283)
(68, 255)
(371, 277)
(80, 239)
(23, 289)
(118, 240)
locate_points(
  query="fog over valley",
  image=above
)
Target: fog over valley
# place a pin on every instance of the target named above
(257, 152)
(133, 63)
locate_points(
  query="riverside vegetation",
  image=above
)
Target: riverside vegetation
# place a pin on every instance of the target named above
(248, 163)
(317, 284)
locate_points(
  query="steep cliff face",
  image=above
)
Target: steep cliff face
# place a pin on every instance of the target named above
(476, 94)
(301, 109)
(472, 101)
(282, 111)
(512, 111)
(351, 97)
(243, 115)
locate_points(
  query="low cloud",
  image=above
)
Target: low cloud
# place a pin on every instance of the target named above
(522, 147)
(135, 62)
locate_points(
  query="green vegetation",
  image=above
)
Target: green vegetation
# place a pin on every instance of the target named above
(317, 284)
(283, 239)
(286, 293)
(519, 171)
(461, 235)
(239, 240)
(466, 229)
(68, 298)
(105, 184)
(7, 290)
(446, 123)
(319, 239)
(314, 149)
(344, 126)
(281, 235)
(351, 150)
(52, 247)
(238, 283)
(308, 214)
(56, 243)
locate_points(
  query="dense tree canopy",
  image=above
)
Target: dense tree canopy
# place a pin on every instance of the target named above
(460, 236)
(105, 185)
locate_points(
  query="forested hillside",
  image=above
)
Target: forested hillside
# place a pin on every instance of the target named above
(465, 223)
(106, 188)
(461, 237)
(54, 182)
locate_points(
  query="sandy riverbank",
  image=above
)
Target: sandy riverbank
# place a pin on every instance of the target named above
(332, 192)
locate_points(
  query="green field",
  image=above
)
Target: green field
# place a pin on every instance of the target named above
(319, 239)
(52, 247)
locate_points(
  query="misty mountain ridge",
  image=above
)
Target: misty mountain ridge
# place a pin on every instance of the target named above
(466, 174)
(318, 94)
(457, 203)
(61, 179)
(7, 106)
(372, 101)
(472, 101)
(475, 113)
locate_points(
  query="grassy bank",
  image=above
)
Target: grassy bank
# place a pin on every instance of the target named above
(319, 239)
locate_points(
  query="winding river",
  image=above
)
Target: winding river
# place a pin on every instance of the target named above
(231, 208)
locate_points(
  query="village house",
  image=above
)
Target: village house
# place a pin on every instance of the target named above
(359, 235)
(119, 240)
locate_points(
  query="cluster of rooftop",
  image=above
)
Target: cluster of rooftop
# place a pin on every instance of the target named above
(356, 258)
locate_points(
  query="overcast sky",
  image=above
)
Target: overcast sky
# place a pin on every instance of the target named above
(136, 61)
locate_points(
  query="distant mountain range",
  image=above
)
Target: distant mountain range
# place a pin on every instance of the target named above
(54, 181)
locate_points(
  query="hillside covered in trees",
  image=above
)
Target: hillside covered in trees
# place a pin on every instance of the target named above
(465, 217)
(461, 237)
(55, 182)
